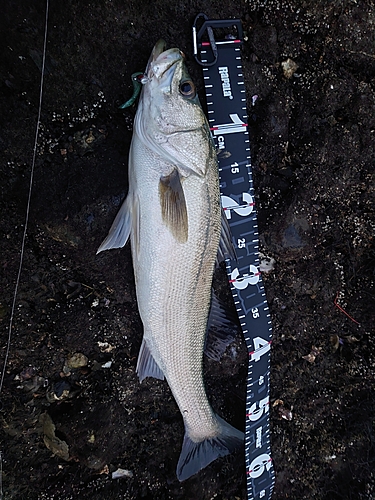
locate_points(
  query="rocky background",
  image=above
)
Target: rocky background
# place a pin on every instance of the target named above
(72, 409)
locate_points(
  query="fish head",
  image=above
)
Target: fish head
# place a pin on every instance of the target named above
(170, 119)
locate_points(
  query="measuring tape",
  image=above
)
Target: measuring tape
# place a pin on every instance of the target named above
(220, 57)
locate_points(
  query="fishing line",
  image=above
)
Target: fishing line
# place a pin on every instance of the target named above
(11, 320)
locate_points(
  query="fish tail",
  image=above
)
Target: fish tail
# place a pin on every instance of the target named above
(197, 455)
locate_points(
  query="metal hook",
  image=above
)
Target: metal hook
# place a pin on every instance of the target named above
(211, 38)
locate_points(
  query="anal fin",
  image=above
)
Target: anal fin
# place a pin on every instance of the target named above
(146, 365)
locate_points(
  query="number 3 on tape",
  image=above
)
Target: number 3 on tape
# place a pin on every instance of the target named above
(246, 279)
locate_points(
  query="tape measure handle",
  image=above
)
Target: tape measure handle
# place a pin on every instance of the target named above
(209, 25)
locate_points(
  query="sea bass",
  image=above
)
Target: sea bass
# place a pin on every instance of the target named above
(173, 215)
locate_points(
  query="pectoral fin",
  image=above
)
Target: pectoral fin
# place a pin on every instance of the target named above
(173, 206)
(119, 233)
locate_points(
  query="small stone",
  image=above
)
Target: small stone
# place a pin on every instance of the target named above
(284, 413)
(56, 445)
(335, 342)
(267, 264)
(90, 138)
(106, 347)
(120, 473)
(105, 470)
(77, 360)
(315, 351)
(59, 391)
(289, 67)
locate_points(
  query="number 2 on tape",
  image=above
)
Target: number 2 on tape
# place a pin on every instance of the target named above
(230, 204)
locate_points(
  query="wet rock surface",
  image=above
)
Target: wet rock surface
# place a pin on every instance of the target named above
(73, 412)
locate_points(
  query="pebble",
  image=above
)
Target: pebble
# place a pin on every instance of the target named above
(77, 360)
(289, 67)
(120, 473)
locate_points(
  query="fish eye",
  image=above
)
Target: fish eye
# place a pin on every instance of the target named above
(187, 88)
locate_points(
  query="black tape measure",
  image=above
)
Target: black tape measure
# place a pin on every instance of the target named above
(217, 48)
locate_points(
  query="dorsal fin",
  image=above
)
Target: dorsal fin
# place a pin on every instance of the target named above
(222, 327)
(226, 249)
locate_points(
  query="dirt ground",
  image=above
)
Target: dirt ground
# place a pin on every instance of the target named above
(72, 409)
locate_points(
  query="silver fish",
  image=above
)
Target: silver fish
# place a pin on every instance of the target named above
(173, 215)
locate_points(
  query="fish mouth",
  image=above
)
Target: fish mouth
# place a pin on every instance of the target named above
(159, 48)
(161, 60)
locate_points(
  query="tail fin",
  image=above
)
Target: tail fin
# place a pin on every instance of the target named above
(196, 456)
